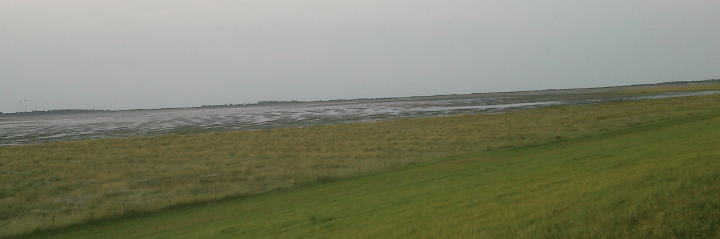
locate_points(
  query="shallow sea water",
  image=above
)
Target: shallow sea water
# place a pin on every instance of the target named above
(18, 130)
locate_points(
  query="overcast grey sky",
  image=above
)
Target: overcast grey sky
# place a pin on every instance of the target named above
(128, 54)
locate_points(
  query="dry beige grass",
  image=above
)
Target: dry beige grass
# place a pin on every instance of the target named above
(83, 180)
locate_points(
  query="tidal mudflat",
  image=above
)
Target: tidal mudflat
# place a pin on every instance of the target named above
(43, 128)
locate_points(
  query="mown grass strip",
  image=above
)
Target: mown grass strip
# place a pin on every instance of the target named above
(652, 181)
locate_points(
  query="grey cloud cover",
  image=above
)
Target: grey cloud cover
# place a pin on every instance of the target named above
(122, 54)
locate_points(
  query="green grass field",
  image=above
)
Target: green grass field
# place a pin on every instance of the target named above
(94, 181)
(657, 180)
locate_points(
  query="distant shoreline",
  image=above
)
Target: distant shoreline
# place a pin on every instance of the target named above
(291, 102)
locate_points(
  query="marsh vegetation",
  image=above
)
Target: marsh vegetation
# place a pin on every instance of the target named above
(82, 181)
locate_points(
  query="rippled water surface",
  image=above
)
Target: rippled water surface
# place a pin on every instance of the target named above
(15, 130)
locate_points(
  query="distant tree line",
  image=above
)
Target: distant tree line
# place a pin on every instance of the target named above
(276, 102)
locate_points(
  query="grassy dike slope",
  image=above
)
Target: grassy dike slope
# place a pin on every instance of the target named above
(658, 180)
